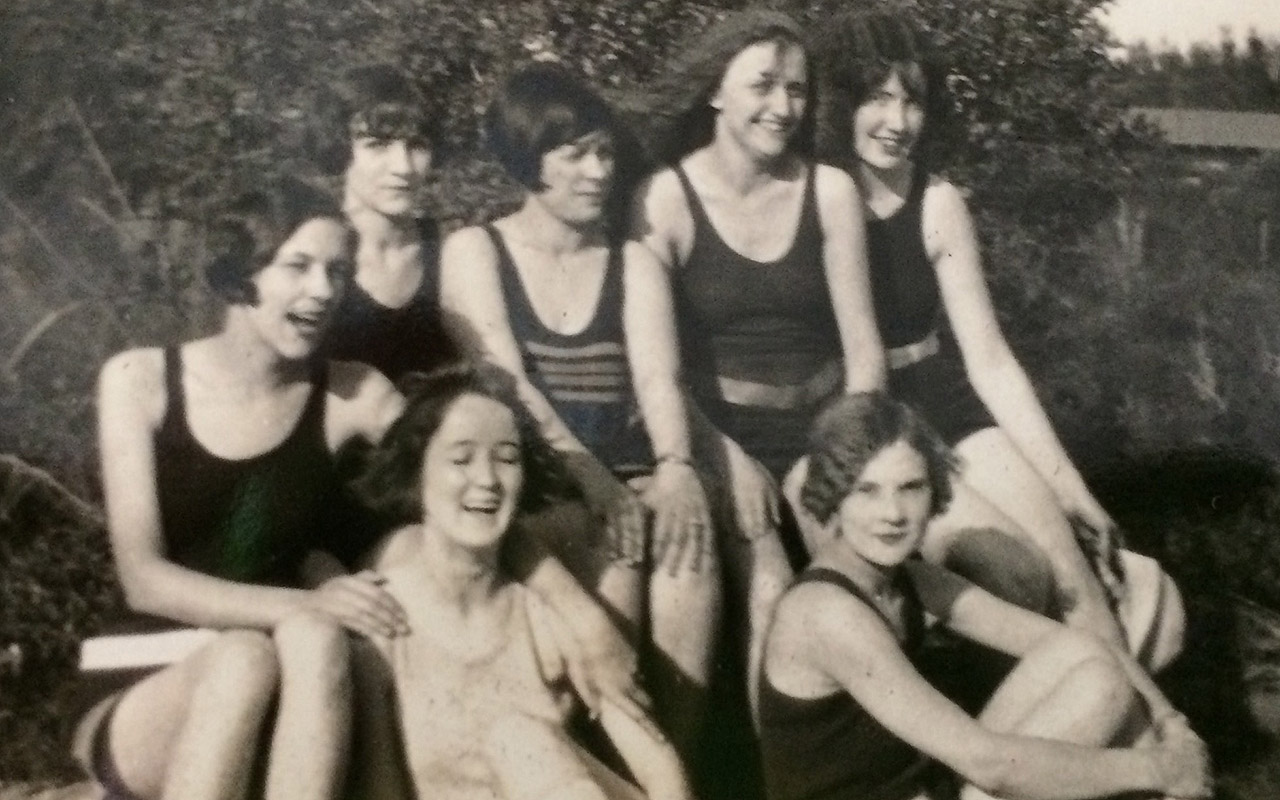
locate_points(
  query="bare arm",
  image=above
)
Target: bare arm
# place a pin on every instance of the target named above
(844, 254)
(838, 637)
(996, 375)
(682, 525)
(650, 758)
(1005, 389)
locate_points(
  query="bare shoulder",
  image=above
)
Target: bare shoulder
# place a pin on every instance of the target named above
(638, 257)
(660, 211)
(837, 195)
(830, 181)
(467, 243)
(134, 379)
(354, 380)
(823, 612)
(362, 402)
(942, 201)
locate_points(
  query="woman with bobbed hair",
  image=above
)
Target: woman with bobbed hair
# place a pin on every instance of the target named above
(474, 703)
(884, 96)
(217, 468)
(844, 709)
(582, 318)
(380, 133)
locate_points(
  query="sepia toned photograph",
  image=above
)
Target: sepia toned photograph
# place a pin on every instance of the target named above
(640, 399)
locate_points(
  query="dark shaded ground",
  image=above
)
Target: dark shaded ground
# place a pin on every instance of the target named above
(1210, 516)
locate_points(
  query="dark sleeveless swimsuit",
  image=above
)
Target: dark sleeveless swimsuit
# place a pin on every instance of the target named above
(395, 341)
(585, 376)
(248, 520)
(758, 322)
(909, 312)
(830, 747)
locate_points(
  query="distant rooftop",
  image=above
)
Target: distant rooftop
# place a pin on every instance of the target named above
(1228, 129)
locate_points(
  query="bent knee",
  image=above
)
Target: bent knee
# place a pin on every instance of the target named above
(306, 642)
(1005, 566)
(241, 658)
(1102, 683)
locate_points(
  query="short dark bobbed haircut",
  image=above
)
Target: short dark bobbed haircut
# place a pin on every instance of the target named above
(854, 55)
(246, 235)
(377, 100)
(391, 480)
(850, 432)
(675, 113)
(538, 108)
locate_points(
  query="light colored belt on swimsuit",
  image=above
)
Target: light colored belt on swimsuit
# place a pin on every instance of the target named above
(914, 353)
(824, 383)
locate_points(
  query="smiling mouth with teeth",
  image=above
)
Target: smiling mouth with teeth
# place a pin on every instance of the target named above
(308, 322)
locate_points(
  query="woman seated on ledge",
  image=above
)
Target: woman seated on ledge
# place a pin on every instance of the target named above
(844, 711)
(217, 465)
(478, 687)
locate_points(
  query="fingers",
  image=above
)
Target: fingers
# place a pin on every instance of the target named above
(625, 528)
(363, 606)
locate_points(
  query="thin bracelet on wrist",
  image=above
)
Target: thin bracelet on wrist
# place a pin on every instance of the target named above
(671, 458)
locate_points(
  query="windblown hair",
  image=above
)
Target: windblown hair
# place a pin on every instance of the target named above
(376, 100)
(854, 55)
(245, 237)
(850, 432)
(675, 114)
(391, 480)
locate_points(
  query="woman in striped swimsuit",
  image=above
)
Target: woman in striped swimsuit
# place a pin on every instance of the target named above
(583, 320)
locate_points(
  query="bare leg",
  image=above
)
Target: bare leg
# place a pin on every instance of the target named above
(378, 764)
(684, 615)
(313, 726)
(1068, 689)
(994, 468)
(758, 574)
(192, 731)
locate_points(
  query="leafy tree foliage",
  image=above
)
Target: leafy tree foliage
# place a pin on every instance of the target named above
(1206, 77)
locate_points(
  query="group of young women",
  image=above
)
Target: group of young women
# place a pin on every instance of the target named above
(631, 380)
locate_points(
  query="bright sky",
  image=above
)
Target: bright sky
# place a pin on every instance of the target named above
(1181, 22)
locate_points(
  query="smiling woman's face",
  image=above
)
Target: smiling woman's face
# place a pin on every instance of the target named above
(297, 291)
(887, 126)
(885, 513)
(472, 473)
(761, 98)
